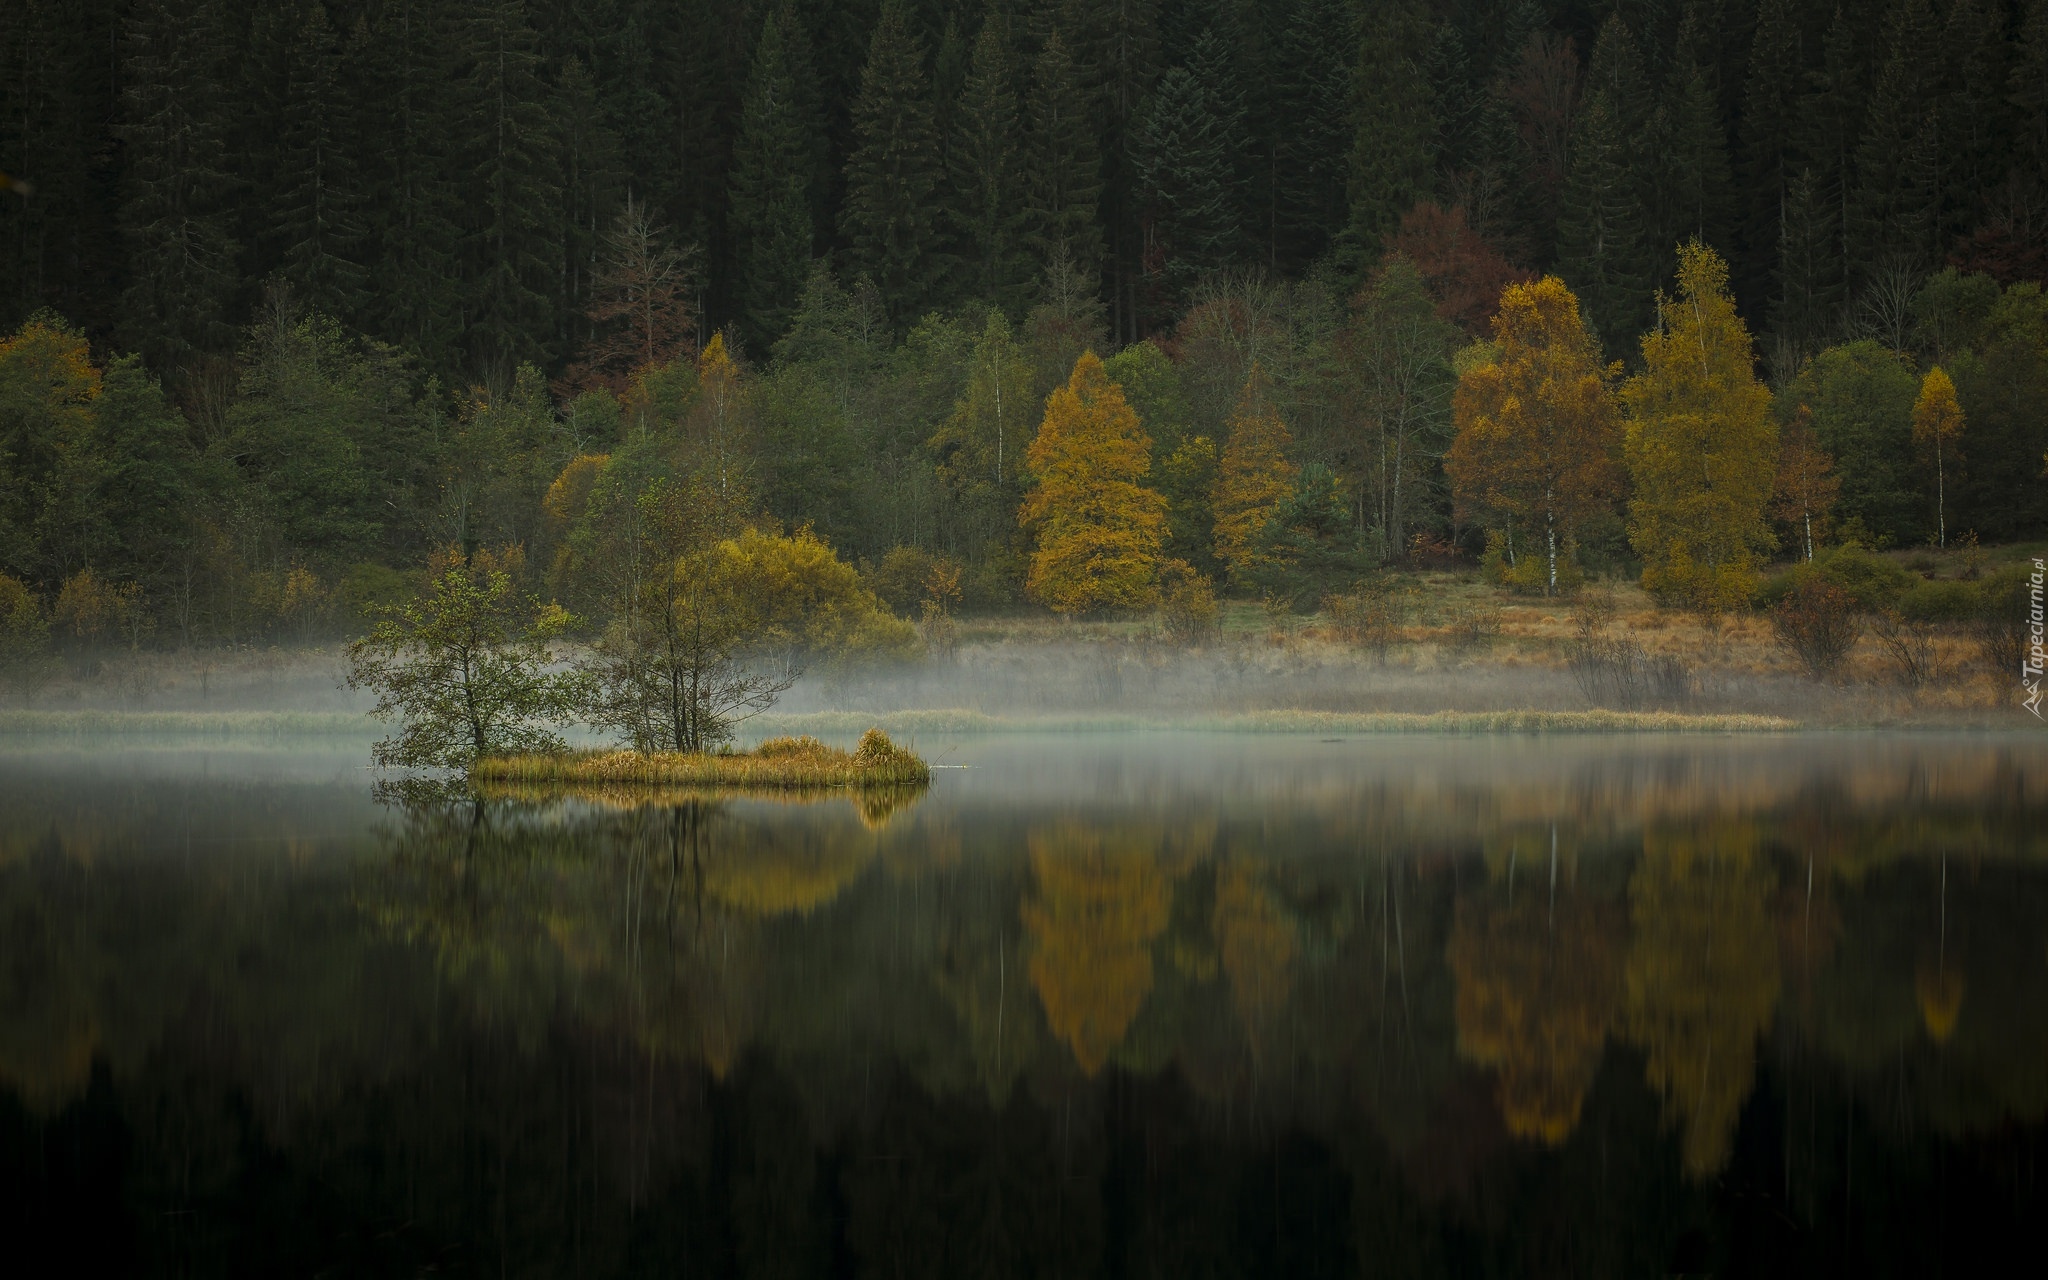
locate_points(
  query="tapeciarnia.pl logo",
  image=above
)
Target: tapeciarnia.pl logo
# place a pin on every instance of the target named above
(2037, 651)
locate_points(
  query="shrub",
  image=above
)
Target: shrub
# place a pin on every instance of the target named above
(1908, 645)
(1187, 603)
(1471, 627)
(1940, 601)
(1817, 624)
(1366, 616)
(901, 577)
(1528, 574)
(1998, 627)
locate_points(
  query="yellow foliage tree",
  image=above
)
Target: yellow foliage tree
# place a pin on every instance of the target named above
(1097, 908)
(1702, 446)
(1702, 978)
(1259, 944)
(1537, 428)
(1539, 986)
(1937, 424)
(716, 428)
(1254, 478)
(1098, 527)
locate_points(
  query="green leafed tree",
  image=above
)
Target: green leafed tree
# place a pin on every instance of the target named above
(466, 668)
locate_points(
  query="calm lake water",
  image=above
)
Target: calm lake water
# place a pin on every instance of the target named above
(1148, 1005)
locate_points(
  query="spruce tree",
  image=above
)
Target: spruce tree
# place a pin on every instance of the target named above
(1894, 212)
(771, 199)
(1693, 186)
(1977, 127)
(988, 208)
(176, 217)
(893, 174)
(1807, 301)
(1127, 54)
(1186, 162)
(317, 190)
(401, 68)
(1065, 183)
(592, 175)
(1832, 111)
(1391, 156)
(2028, 92)
(1600, 233)
(508, 140)
(1315, 108)
(1770, 112)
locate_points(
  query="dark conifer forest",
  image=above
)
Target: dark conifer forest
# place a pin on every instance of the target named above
(301, 291)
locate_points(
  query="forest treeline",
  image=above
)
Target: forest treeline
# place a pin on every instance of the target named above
(398, 276)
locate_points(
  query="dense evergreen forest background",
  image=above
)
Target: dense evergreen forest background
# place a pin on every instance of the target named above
(388, 268)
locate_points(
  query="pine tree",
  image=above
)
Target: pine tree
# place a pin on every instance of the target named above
(508, 140)
(1600, 245)
(1127, 55)
(771, 201)
(893, 174)
(591, 177)
(1894, 212)
(182, 268)
(1833, 113)
(1976, 145)
(402, 71)
(1391, 160)
(2028, 92)
(1097, 528)
(1186, 149)
(1693, 186)
(1807, 302)
(988, 208)
(1770, 108)
(317, 189)
(1065, 186)
(1315, 104)
(58, 97)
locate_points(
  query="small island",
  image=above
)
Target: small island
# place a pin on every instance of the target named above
(779, 764)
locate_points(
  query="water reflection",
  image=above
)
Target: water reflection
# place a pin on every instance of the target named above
(1594, 1007)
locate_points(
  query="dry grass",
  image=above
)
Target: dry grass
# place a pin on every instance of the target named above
(780, 764)
(964, 720)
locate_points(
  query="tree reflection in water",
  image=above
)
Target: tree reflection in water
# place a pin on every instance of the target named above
(1558, 1028)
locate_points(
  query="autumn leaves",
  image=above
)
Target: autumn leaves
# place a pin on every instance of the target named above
(1549, 438)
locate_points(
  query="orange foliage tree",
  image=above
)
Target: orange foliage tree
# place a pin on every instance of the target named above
(1536, 425)
(1807, 486)
(1937, 424)
(639, 310)
(1254, 478)
(1097, 908)
(1098, 528)
(1465, 274)
(1702, 447)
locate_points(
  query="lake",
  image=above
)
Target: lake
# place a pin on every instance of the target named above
(1105, 1004)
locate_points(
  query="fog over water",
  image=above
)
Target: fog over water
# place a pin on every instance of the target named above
(1528, 1004)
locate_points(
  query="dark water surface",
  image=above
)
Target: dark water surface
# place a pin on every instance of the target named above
(1153, 1005)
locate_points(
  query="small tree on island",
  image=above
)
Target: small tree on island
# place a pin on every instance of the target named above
(670, 672)
(465, 667)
